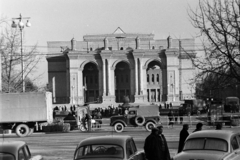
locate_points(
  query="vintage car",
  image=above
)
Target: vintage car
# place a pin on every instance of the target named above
(211, 145)
(134, 116)
(16, 150)
(108, 147)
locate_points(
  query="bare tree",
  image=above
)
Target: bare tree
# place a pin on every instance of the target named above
(219, 24)
(10, 43)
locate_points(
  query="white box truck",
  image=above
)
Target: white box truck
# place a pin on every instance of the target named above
(21, 112)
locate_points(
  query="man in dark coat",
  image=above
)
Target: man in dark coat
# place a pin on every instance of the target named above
(164, 153)
(183, 136)
(198, 127)
(151, 148)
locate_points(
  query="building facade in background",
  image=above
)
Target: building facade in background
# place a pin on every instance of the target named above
(106, 67)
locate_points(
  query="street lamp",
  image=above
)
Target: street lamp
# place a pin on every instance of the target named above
(21, 27)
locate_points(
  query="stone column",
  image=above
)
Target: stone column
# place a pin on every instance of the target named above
(109, 92)
(144, 81)
(104, 77)
(136, 76)
(80, 85)
(156, 95)
(112, 87)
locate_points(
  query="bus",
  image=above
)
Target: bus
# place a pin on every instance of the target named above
(231, 104)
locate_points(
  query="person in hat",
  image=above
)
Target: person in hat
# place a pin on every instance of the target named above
(151, 146)
(164, 153)
(183, 136)
(219, 126)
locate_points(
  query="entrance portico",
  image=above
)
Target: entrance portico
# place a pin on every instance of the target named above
(104, 68)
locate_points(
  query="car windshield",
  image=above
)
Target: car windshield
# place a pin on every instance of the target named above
(6, 156)
(100, 151)
(206, 144)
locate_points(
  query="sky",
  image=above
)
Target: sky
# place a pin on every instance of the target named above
(61, 20)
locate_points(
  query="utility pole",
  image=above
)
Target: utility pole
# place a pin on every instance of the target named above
(0, 69)
(180, 70)
(21, 27)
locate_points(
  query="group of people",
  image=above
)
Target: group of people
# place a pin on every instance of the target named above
(173, 118)
(156, 147)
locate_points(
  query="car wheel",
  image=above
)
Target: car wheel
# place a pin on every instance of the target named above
(118, 127)
(22, 130)
(139, 120)
(149, 126)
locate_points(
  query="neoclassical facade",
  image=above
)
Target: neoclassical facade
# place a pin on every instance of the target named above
(106, 67)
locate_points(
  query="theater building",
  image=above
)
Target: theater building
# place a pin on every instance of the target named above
(106, 67)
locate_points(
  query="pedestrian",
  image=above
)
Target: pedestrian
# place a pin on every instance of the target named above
(164, 151)
(198, 127)
(176, 117)
(183, 136)
(151, 147)
(180, 113)
(219, 126)
(170, 118)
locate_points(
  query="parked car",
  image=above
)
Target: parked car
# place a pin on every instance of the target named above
(16, 150)
(108, 147)
(211, 145)
(141, 115)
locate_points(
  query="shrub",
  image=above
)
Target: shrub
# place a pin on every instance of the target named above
(57, 127)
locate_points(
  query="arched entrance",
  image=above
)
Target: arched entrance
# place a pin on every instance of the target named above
(154, 82)
(90, 83)
(122, 81)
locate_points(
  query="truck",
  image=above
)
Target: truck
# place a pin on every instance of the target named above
(23, 112)
(147, 116)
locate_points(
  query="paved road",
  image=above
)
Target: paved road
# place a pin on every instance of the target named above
(58, 146)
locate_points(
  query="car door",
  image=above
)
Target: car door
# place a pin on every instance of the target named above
(131, 117)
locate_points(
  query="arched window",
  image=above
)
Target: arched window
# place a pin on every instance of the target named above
(121, 48)
(148, 78)
(157, 78)
(90, 48)
(153, 47)
(153, 78)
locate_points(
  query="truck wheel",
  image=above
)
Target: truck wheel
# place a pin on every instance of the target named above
(22, 130)
(149, 126)
(118, 127)
(139, 120)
